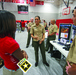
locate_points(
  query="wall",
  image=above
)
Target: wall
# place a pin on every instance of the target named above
(46, 11)
(60, 16)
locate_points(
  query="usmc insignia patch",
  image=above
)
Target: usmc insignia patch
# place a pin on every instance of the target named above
(24, 65)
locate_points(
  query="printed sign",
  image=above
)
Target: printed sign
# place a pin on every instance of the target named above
(24, 65)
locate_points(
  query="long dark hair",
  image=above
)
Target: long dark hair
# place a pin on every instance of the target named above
(7, 24)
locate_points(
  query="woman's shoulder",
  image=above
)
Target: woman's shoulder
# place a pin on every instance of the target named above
(9, 40)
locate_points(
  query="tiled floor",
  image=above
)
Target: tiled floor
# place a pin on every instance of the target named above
(55, 67)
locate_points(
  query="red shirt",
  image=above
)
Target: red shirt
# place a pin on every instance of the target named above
(23, 24)
(7, 46)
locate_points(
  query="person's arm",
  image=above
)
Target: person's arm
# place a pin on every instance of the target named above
(42, 38)
(48, 32)
(20, 54)
(34, 37)
(44, 25)
(72, 70)
(29, 28)
(43, 35)
(52, 34)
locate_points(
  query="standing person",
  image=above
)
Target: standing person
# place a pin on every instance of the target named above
(21, 25)
(51, 35)
(71, 58)
(38, 35)
(49, 23)
(18, 27)
(45, 24)
(26, 25)
(29, 35)
(10, 50)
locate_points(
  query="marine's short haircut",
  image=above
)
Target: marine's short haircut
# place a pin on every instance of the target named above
(38, 17)
(44, 20)
(7, 23)
(53, 20)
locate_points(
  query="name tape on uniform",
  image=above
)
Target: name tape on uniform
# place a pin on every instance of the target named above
(24, 65)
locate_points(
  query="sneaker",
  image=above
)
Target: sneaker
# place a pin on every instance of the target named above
(46, 64)
(36, 64)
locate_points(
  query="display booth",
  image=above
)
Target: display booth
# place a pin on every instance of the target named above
(59, 21)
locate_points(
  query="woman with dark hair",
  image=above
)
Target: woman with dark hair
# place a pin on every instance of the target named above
(38, 35)
(10, 50)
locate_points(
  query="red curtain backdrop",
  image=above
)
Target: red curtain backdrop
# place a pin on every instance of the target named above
(63, 21)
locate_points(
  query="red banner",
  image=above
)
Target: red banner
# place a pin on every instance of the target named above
(27, 1)
(15, 1)
(39, 2)
(36, 2)
(20, 12)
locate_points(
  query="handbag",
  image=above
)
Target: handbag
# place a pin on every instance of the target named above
(56, 54)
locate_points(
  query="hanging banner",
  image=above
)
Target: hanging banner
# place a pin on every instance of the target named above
(66, 11)
(37, 2)
(14, 1)
(32, 3)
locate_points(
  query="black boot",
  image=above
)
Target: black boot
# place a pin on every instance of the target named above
(49, 51)
(46, 49)
(26, 46)
(36, 64)
(46, 64)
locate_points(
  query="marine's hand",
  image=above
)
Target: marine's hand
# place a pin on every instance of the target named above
(36, 37)
(41, 41)
(68, 67)
(29, 28)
